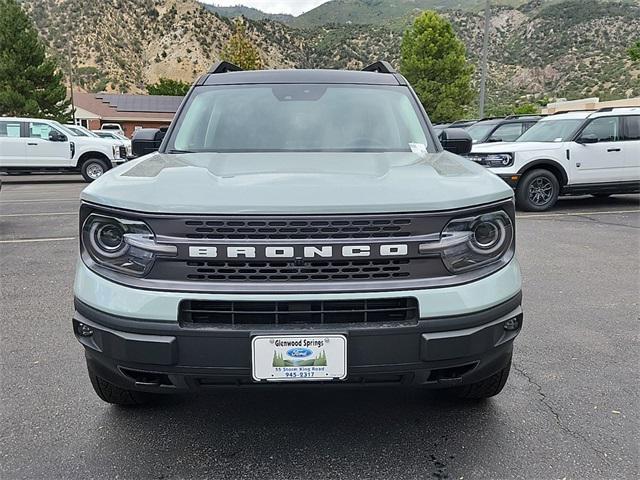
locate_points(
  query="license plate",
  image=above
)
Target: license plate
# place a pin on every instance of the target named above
(299, 358)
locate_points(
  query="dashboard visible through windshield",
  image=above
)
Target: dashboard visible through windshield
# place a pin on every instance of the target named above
(560, 130)
(300, 118)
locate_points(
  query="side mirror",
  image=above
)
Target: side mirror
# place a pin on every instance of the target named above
(456, 140)
(147, 140)
(589, 138)
(57, 136)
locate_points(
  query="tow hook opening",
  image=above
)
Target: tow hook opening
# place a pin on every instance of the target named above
(150, 379)
(450, 375)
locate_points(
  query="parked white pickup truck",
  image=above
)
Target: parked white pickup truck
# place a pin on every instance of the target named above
(33, 144)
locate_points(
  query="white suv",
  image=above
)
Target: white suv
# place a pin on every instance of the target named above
(576, 153)
(30, 144)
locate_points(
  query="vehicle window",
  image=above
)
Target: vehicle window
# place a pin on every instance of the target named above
(606, 129)
(633, 127)
(507, 132)
(296, 117)
(558, 130)
(479, 131)
(77, 132)
(10, 129)
(40, 130)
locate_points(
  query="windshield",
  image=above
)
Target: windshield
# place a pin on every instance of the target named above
(300, 118)
(479, 131)
(560, 130)
(65, 129)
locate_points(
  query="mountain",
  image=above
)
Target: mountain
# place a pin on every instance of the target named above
(248, 12)
(381, 11)
(571, 48)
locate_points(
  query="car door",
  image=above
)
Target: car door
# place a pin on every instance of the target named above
(44, 152)
(507, 132)
(13, 145)
(598, 154)
(632, 146)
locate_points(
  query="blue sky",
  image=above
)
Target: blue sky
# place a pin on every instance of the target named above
(294, 7)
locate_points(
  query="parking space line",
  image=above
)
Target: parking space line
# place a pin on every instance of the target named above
(42, 200)
(30, 240)
(568, 214)
(52, 214)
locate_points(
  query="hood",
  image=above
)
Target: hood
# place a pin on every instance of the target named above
(509, 147)
(296, 183)
(97, 141)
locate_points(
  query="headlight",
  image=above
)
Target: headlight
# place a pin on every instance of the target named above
(124, 245)
(494, 160)
(473, 242)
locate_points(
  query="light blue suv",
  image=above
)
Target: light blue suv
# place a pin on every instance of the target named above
(297, 226)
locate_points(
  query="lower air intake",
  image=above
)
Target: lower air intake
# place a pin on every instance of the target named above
(204, 312)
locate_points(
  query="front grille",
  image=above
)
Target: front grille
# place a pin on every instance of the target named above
(288, 271)
(282, 229)
(198, 312)
(123, 152)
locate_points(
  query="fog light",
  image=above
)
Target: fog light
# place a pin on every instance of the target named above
(84, 330)
(512, 324)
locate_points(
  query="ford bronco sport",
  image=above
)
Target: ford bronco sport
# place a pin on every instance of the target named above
(573, 153)
(298, 226)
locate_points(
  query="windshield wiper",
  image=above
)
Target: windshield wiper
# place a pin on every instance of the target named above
(180, 151)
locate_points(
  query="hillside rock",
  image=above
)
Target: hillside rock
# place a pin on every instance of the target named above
(562, 49)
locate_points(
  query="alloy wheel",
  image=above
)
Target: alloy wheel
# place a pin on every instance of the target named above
(540, 191)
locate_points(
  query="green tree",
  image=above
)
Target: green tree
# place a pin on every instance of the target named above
(433, 60)
(240, 51)
(30, 83)
(634, 51)
(167, 86)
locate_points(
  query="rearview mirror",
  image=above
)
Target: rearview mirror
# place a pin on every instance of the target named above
(589, 138)
(147, 140)
(456, 140)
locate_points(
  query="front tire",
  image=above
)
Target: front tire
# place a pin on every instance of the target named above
(537, 191)
(110, 393)
(93, 168)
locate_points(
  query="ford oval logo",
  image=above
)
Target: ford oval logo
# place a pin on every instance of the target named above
(299, 352)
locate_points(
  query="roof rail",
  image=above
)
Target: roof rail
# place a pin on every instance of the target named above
(223, 67)
(490, 118)
(560, 112)
(610, 109)
(520, 115)
(380, 67)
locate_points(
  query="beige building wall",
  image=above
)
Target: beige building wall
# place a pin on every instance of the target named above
(593, 103)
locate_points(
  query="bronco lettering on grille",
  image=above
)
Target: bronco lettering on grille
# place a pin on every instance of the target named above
(326, 251)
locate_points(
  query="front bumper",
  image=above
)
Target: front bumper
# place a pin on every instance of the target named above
(161, 357)
(510, 179)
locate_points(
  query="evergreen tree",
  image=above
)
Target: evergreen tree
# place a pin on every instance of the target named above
(634, 51)
(240, 51)
(30, 83)
(167, 86)
(433, 60)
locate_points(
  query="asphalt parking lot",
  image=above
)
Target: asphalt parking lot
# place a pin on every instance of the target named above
(569, 410)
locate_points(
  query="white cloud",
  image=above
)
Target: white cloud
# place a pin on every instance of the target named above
(293, 7)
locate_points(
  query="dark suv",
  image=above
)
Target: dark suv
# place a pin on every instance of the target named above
(501, 129)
